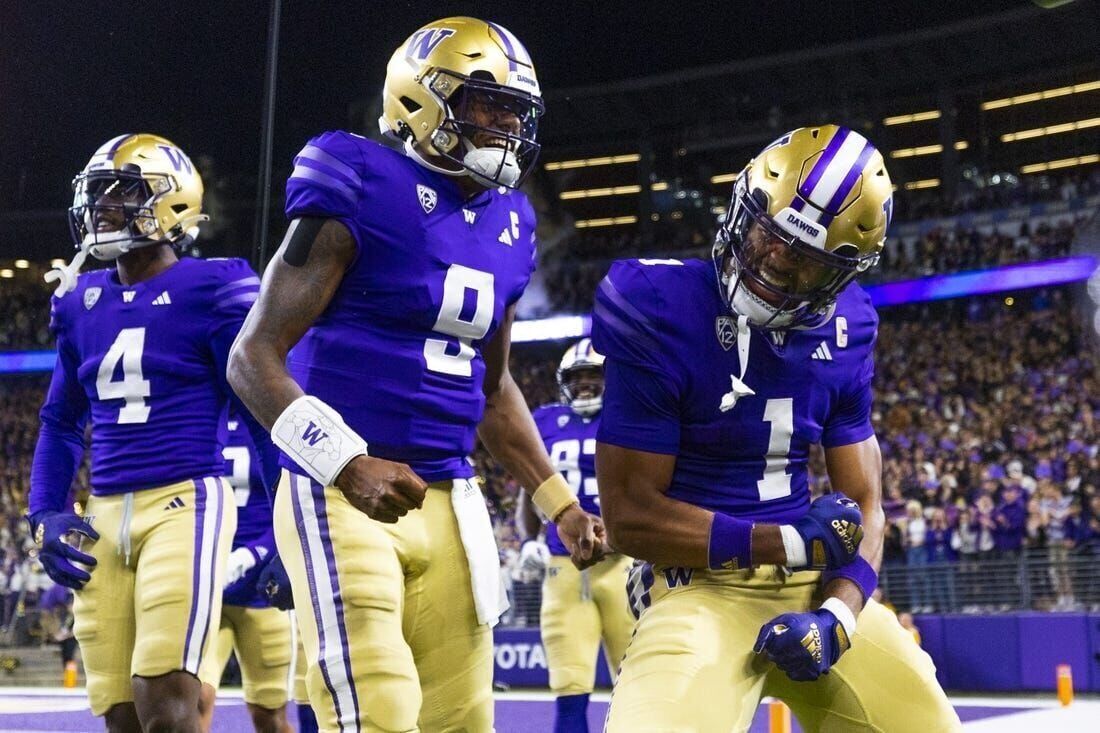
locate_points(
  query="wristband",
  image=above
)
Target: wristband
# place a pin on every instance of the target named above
(859, 571)
(315, 437)
(553, 496)
(730, 546)
(843, 614)
(793, 546)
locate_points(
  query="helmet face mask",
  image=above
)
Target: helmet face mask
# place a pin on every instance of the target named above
(580, 378)
(488, 130)
(784, 253)
(462, 97)
(112, 212)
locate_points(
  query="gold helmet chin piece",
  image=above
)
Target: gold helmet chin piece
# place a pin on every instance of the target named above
(434, 81)
(135, 191)
(809, 213)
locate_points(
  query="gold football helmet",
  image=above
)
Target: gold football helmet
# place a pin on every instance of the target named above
(580, 378)
(446, 76)
(808, 214)
(137, 190)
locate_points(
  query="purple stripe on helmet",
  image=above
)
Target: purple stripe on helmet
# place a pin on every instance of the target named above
(850, 179)
(337, 595)
(196, 564)
(508, 48)
(213, 568)
(303, 539)
(823, 162)
(798, 202)
(118, 144)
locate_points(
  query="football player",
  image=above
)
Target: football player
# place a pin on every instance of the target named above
(396, 286)
(719, 377)
(250, 626)
(142, 349)
(579, 607)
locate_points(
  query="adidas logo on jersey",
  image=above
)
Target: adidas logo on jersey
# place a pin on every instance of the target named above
(176, 503)
(128, 296)
(162, 299)
(822, 352)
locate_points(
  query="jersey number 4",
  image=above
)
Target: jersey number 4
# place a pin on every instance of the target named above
(451, 322)
(133, 387)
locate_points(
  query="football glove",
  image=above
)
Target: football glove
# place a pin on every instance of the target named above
(534, 555)
(832, 531)
(56, 555)
(274, 585)
(803, 645)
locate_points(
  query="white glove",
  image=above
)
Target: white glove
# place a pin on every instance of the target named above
(534, 556)
(240, 562)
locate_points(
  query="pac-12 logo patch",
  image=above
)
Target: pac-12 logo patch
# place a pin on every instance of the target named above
(726, 330)
(427, 197)
(91, 297)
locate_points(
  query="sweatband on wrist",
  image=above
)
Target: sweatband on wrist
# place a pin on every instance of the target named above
(843, 614)
(794, 546)
(859, 571)
(730, 546)
(315, 437)
(553, 496)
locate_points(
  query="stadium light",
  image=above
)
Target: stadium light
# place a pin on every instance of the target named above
(921, 184)
(57, 262)
(591, 193)
(724, 178)
(563, 165)
(604, 222)
(7, 272)
(1060, 163)
(1011, 137)
(932, 114)
(659, 186)
(22, 264)
(1087, 86)
(961, 145)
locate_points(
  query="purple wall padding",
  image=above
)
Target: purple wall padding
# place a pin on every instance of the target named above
(1094, 652)
(1050, 639)
(1012, 652)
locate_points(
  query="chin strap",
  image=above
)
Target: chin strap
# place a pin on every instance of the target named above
(66, 275)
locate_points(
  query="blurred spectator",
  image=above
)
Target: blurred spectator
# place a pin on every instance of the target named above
(942, 558)
(916, 557)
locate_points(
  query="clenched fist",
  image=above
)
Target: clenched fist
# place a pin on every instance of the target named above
(381, 489)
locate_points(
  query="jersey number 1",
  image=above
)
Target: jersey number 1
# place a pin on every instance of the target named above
(779, 414)
(133, 387)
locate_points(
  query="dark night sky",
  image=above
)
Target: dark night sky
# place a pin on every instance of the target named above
(73, 75)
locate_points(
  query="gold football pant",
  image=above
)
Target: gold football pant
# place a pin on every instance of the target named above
(578, 610)
(386, 613)
(691, 667)
(261, 639)
(156, 590)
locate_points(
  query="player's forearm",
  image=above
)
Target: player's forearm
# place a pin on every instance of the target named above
(671, 532)
(258, 374)
(528, 523)
(856, 470)
(509, 433)
(56, 459)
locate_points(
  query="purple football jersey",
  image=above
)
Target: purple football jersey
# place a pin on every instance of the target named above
(398, 351)
(673, 361)
(147, 364)
(571, 443)
(243, 470)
